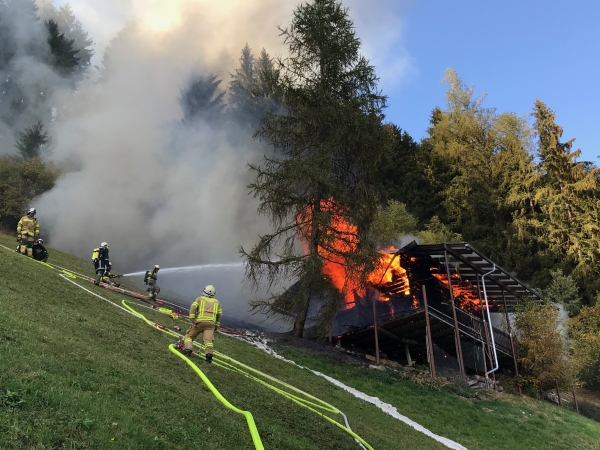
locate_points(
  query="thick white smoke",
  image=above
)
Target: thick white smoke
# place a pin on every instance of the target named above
(152, 193)
(157, 191)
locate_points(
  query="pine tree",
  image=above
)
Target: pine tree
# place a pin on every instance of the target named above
(241, 98)
(202, 99)
(319, 187)
(251, 93)
(62, 51)
(568, 196)
(31, 141)
(266, 77)
(72, 29)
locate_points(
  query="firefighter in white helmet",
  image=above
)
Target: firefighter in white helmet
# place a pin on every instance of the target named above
(28, 230)
(205, 314)
(150, 279)
(101, 261)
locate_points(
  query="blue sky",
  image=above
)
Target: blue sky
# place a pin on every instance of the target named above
(515, 51)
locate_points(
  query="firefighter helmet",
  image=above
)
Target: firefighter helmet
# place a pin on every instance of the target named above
(104, 244)
(31, 211)
(40, 241)
(156, 266)
(210, 290)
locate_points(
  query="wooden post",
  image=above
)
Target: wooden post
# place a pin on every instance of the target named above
(456, 331)
(558, 393)
(408, 358)
(489, 347)
(512, 346)
(376, 334)
(575, 400)
(428, 329)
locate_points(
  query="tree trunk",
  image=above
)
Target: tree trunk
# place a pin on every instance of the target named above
(298, 330)
(313, 250)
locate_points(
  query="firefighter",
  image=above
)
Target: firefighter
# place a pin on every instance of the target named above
(28, 230)
(150, 280)
(109, 276)
(101, 261)
(205, 314)
(39, 251)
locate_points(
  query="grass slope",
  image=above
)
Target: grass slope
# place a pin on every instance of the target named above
(77, 373)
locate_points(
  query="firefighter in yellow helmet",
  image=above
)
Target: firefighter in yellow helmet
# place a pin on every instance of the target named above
(28, 230)
(150, 279)
(205, 314)
(109, 276)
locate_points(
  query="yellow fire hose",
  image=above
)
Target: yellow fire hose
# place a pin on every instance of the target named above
(236, 366)
(313, 405)
(248, 415)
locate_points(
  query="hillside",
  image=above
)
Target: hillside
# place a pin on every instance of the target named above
(77, 373)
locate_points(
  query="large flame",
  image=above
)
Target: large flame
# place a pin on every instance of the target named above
(389, 276)
(466, 296)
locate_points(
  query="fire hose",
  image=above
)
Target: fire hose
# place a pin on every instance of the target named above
(242, 369)
(309, 402)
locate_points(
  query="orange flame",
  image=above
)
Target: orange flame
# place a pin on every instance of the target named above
(389, 274)
(466, 296)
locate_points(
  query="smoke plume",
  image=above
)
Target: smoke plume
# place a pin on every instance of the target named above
(158, 190)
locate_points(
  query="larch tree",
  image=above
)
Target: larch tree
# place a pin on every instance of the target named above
(319, 188)
(464, 136)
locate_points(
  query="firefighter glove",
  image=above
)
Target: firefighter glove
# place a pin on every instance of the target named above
(95, 260)
(18, 239)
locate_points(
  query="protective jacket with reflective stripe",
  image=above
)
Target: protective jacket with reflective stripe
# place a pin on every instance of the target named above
(28, 226)
(206, 309)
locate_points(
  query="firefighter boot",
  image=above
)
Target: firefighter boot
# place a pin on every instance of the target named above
(97, 280)
(209, 358)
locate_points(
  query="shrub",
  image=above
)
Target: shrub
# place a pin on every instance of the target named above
(542, 352)
(20, 183)
(584, 330)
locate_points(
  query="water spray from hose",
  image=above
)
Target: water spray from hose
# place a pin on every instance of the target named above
(196, 268)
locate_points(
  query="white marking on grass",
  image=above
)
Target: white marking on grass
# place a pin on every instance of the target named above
(385, 407)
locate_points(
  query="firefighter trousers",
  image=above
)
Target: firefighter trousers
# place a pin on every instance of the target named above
(153, 288)
(26, 245)
(207, 329)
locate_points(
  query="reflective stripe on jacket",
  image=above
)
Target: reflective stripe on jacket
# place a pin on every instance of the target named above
(206, 309)
(28, 226)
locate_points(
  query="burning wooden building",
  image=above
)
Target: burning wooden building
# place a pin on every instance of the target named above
(446, 304)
